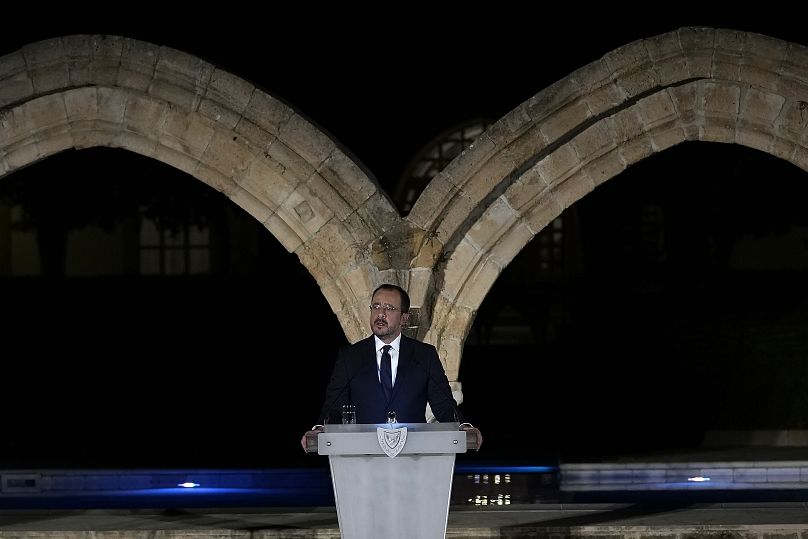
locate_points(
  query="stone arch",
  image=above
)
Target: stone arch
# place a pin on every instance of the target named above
(83, 91)
(693, 84)
(474, 217)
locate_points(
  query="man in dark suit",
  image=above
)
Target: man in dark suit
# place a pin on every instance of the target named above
(389, 376)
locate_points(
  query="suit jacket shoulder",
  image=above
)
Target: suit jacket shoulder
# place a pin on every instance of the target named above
(420, 346)
(358, 348)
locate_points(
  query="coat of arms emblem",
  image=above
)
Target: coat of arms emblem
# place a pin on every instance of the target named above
(392, 440)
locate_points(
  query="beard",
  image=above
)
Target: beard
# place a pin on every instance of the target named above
(382, 331)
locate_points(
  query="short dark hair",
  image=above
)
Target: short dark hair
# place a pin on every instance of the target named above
(405, 298)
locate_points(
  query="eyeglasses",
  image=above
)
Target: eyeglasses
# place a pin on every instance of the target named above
(387, 307)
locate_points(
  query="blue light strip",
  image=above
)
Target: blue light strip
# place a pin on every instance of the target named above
(477, 468)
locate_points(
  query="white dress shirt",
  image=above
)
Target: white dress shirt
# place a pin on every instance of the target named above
(393, 356)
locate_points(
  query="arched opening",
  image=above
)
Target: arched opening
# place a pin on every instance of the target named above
(677, 306)
(158, 332)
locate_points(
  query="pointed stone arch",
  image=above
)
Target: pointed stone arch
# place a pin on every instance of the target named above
(694, 84)
(84, 91)
(697, 84)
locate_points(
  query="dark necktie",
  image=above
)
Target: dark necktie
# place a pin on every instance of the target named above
(386, 373)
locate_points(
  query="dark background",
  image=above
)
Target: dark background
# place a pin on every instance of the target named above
(228, 370)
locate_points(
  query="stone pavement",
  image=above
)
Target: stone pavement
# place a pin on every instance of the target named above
(718, 521)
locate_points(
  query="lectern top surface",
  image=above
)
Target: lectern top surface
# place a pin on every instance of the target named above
(371, 427)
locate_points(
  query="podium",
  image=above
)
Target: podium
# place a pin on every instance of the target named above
(386, 486)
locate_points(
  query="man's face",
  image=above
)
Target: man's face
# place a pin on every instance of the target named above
(384, 320)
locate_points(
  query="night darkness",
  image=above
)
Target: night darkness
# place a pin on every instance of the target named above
(629, 353)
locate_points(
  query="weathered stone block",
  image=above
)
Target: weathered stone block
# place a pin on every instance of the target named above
(656, 109)
(228, 156)
(344, 176)
(761, 107)
(138, 60)
(252, 205)
(558, 165)
(432, 201)
(267, 112)
(566, 120)
(145, 116)
(284, 233)
(572, 189)
(308, 141)
(605, 167)
(558, 95)
(523, 192)
(494, 222)
(593, 142)
(185, 132)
